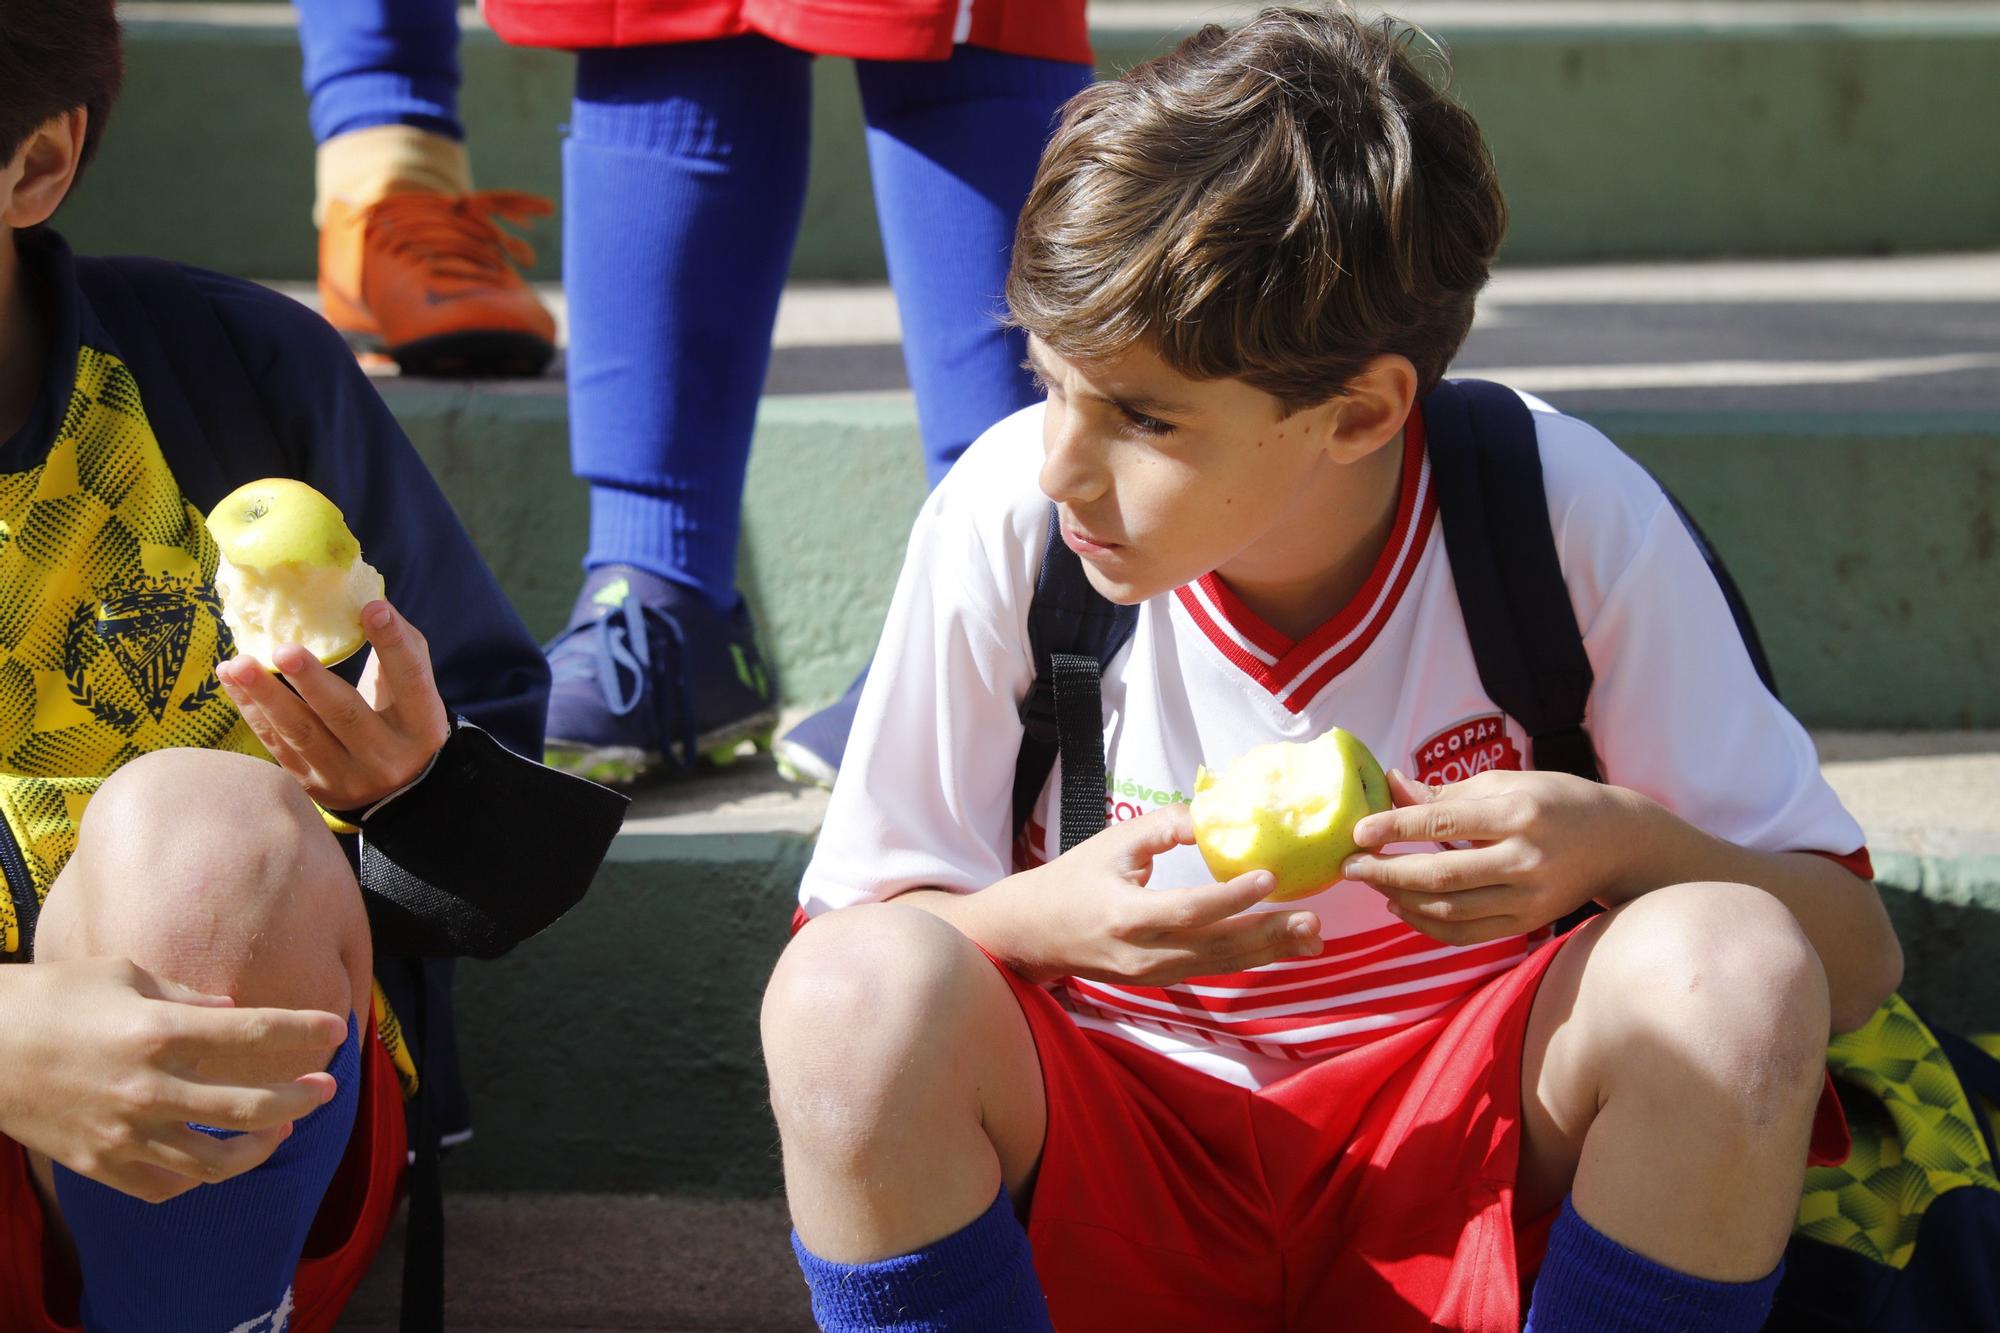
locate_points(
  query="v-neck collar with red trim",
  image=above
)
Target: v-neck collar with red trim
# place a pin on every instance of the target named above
(1295, 672)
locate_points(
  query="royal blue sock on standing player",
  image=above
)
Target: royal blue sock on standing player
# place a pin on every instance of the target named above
(380, 62)
(683, 184)
(218, 1256)
(1590, 1283)
(980, 1279)
(952, 147)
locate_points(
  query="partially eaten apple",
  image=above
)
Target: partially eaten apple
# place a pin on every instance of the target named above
(289, 571)
(1289, 808)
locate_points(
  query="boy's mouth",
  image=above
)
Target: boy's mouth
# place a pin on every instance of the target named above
(1085, 544)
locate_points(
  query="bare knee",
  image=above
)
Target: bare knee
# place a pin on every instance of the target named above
(862, 1019)
(1717, 982)
(213, 870)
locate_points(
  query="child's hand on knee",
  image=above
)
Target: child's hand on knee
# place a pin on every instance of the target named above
(1089, 913)
(349, 748)
(107, 1075)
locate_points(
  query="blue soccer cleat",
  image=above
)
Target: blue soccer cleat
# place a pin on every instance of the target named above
(649, 675)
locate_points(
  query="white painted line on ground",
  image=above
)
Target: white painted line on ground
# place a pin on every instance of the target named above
(1957, 278)
(1725, 374)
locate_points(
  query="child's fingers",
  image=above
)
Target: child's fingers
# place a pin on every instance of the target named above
(284, 713)
(1446, 872)
(260, 723)
(1151, 834)
(195, 1033)
(190, 1153)
(245, 1107)
(1494, 900)
(1203, 905)
(403, 663)
(1251, 940)
(335, 705)
(1441, 819)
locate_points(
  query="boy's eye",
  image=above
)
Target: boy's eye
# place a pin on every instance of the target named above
(1146, 425)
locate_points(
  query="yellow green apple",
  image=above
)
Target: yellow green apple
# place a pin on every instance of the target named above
(1289, 808)
(289, 571)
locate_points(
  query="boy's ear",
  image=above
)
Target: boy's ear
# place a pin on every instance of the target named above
(41, 172)
(1372, 411)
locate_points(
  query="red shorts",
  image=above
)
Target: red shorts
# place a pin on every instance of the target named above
(1371, 1190)
(39, 1289)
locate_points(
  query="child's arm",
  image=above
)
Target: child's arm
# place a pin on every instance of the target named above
(1546, 843)
(1088, 913)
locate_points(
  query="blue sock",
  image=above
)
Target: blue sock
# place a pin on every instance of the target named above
(1591, 1283)
(380, 62)
(683, 184)
(979, 1279)
(218, 1256)
(952, 147)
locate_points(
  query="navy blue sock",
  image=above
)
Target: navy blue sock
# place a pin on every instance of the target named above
(1592, 1284)
(952, 147)
(218, 1256)
(683, 184)
(981, 1278)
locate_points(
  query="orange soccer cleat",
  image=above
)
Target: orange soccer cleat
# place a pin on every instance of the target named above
(430, 278)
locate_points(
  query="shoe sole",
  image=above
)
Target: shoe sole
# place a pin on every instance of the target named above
(472, 354)
(622, 765)
(800, 765)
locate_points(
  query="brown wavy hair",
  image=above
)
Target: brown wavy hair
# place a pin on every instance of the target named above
(56, 56)
(1276, 203)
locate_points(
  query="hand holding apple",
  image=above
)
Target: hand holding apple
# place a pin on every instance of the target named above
(1526, 849)
(1089, 913)
(1289, 808)
(348, 748)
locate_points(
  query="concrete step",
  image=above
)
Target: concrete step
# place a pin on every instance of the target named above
(1621, 131)
(580, 1263)
(618, 1053)
(1831, 423)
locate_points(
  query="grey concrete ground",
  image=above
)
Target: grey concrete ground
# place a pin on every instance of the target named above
(571, 1263)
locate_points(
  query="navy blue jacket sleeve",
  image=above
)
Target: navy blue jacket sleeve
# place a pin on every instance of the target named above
(341, 438)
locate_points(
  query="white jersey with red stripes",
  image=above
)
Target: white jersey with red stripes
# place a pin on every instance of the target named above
(925, 792)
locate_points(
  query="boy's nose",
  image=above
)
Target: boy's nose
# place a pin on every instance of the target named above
(1073, 469)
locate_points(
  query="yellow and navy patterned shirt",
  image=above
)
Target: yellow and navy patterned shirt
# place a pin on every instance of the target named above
(165, 389)
(110, 627)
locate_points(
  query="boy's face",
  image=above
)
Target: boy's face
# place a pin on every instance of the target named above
(1159, 478)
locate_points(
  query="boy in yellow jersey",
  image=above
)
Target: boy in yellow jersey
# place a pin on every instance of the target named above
(201, 1124)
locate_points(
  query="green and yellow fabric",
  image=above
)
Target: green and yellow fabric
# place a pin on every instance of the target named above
(1905, 1234)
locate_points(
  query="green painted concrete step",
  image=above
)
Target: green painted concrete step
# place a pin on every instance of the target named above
(618, 1052)
(1620, 130)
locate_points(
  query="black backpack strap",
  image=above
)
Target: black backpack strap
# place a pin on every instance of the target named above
(1073, 631)
(1487, 467)
(1739, 610)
